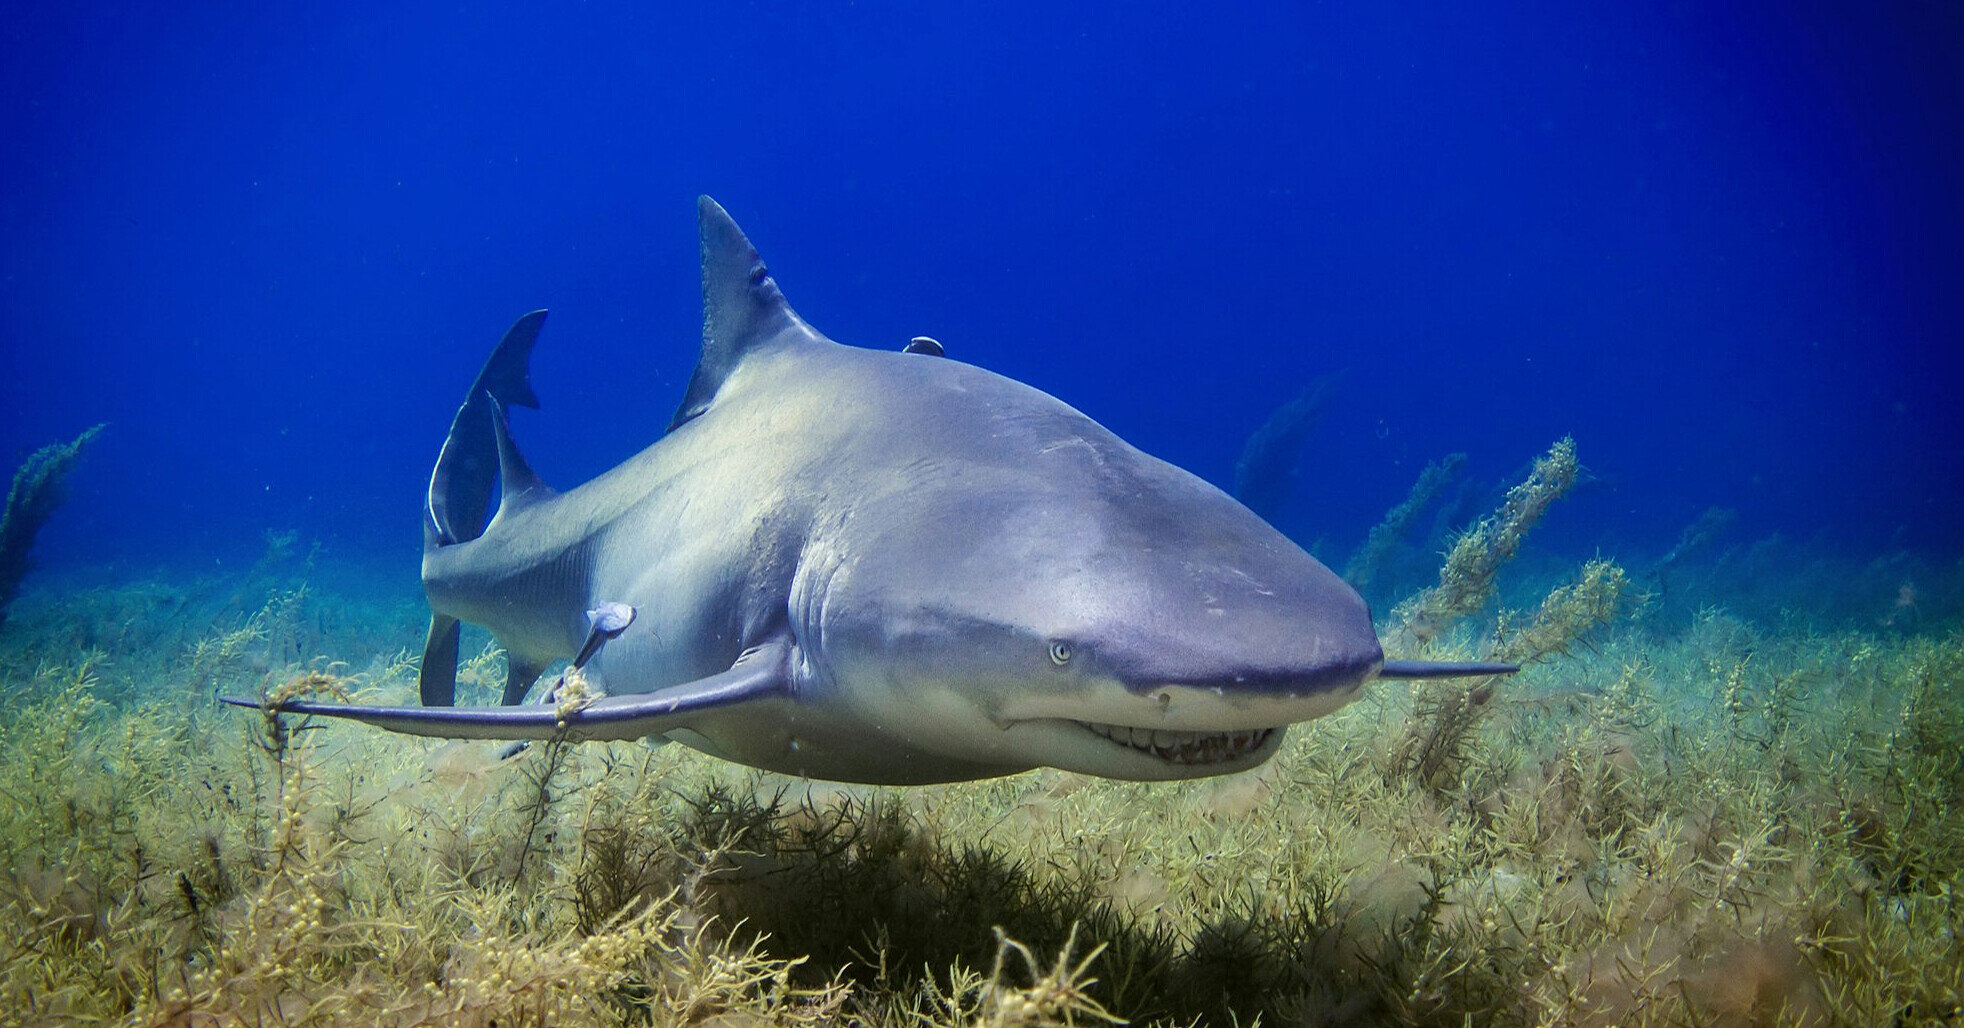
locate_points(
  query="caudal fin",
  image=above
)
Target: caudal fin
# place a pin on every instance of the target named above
(466, 473)
(461, 484)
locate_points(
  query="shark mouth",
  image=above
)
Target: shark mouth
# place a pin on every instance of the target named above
(1186, 747)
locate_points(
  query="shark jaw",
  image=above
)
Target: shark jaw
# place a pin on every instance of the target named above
(1140, 754)
(1192, 749)
(1177, 732)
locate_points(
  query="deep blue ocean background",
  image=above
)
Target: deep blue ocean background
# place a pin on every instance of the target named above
(1719, 243)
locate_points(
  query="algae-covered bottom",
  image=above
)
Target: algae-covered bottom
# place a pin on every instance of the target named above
(1711, 823)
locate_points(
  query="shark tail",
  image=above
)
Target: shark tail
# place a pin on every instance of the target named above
(458, 503)
(461, 484)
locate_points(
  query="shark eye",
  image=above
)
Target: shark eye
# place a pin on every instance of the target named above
(1060, 652)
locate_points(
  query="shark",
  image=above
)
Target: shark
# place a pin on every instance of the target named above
(879, 566)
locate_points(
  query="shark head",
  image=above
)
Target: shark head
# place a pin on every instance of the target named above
(1029, 588)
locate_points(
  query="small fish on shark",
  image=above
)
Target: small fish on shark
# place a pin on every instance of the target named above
(878, 566)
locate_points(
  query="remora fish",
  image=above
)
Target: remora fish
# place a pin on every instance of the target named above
(875, 566)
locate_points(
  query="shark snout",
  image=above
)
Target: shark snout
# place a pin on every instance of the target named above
(1241, 701)
(1229, 697)
(1328, 667)
(1262, 651)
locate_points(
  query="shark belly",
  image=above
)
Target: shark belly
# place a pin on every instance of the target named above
(795, 736)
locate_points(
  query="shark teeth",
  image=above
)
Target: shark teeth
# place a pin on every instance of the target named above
(1185, 747)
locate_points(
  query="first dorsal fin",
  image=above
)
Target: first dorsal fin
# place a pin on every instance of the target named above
(743, 311)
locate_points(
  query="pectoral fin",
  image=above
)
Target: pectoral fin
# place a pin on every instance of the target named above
(759, 673)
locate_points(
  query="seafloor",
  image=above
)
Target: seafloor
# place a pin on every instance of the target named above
(1700, 804)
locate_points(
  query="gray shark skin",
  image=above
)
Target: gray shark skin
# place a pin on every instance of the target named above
(876, 566)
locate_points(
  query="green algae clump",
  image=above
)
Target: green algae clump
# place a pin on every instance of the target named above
(1466, 581)
(31, 499)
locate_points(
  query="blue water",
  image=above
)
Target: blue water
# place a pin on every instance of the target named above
(1716, 242)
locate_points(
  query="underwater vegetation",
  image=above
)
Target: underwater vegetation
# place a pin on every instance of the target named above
(1466, 582)
(1265, 473)
(31, 499)
(1706, 820)
(1387, 537)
